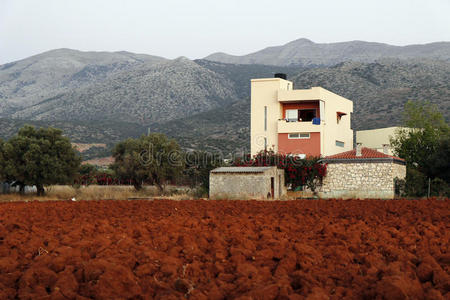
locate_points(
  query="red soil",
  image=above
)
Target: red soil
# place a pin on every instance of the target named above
(225, 250)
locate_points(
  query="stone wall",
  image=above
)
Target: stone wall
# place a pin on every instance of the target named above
(245, 186)
(361, 179)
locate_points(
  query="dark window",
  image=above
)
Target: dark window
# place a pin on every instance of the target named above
(306, 115)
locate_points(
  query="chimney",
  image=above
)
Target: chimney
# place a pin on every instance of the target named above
(386, 148)
(280, 75)
(358, 149)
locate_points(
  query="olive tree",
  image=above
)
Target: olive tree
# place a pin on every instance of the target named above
(40, 157)
(153, 158)
(424, 144)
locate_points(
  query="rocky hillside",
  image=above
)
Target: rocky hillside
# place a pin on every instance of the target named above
(379, 91)
(102, 97)
(45, 76)
(147, 93)
(78, 86)
(304, 52)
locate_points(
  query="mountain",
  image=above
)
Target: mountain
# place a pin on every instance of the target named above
(106, 97)
(144, 94)
(303, 52)
(225, 129)
(378, 90)
(44, 76)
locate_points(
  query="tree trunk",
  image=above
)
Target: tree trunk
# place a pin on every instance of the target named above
(22, 188)
(137, 185)
(160, 187)
(40, 189)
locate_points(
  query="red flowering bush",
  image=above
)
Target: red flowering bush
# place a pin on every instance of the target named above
(298, 172)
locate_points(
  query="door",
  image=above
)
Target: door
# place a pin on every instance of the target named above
(279, 186)
(272, 187)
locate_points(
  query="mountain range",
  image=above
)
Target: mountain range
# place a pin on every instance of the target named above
(105, 97)
(303, 52)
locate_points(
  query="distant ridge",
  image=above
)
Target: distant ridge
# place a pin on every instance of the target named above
(304, 52)
(105, 97)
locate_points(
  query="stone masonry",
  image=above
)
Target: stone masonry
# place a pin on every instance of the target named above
(364, 179)
(246, 183)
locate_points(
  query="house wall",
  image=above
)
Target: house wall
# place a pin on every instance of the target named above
(264, 93)
(375, 138)
(277, 94)
(244, 186)
(310, 147)
(361, 180)
(332, 129)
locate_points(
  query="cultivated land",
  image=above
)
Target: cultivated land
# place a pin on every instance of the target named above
(197, 249)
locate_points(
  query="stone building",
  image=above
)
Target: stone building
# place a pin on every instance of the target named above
(362, 173)
(246, 183)
(4, 188)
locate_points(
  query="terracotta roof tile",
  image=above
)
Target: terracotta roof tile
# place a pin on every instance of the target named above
(366, 153)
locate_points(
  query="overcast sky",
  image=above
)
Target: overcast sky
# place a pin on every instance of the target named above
(197, 28)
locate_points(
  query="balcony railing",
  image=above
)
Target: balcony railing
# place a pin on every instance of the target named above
(290, 127)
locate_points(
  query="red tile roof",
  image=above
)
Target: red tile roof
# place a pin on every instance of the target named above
(366, 153)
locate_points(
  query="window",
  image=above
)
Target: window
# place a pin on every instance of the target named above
(265, 118)
(301, 135)
(339, 116)
(306, 115)
(340, 144)
(291, 115)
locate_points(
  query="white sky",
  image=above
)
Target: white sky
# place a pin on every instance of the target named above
(197, 28)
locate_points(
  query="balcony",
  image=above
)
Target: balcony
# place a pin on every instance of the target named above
(289, 127)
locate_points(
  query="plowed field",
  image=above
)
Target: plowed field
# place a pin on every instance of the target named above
(166, 249)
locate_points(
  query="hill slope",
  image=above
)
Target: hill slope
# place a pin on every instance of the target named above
(107, 97)
(378, 90)
(29, 81)
(304, 52)
(145, 94)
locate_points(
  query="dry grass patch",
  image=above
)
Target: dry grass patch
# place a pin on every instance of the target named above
(101, 192)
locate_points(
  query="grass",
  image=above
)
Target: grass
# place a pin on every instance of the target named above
(99, 192)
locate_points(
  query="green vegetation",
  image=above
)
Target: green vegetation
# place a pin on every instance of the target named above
(153, 159)
(198, 166)
(87, 174)
(39, 157)
(425, 145)
(298, 173)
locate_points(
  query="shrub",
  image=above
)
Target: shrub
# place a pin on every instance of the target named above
(298, 172)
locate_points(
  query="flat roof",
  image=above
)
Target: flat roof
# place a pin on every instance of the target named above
(241, 169)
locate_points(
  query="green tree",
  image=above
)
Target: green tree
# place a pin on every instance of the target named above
(154, 159)
(424, 144)
(198, 166)
(40, 157)
(298, 172)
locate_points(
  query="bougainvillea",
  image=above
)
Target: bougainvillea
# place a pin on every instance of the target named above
(102, 178)
(298, 172)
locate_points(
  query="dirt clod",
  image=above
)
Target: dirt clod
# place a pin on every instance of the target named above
(162, 249)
